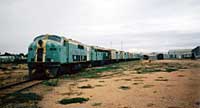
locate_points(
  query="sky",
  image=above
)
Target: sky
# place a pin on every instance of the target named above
(130, 25)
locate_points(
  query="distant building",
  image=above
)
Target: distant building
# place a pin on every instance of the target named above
(166, 56)
(180, 53)
(196, 52)
(7, 58)
(162, 56)
(10, 58)
(150, 56)
(137, 56)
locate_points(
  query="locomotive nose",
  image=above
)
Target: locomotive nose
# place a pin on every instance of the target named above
(40, 42)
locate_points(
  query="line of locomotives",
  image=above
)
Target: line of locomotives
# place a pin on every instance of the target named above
(51, 55)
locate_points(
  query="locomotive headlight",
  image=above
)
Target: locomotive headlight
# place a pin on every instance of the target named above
(52, 60)
(40, 42)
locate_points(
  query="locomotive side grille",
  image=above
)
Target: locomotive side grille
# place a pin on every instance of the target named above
(40, 54)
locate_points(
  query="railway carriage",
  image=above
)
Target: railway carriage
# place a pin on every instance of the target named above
(78, 55)
(100, 56)
(130, 56)
(126, 56)
(76, 51)
(114, 55)
(121, 56)
(117, 56)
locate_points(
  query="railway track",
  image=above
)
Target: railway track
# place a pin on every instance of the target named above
(18, 87)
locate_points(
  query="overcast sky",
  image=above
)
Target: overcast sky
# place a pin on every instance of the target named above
(141, 25)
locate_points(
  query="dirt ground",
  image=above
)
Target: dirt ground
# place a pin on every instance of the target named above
(12, 73)
(134, 84)
(128, 88)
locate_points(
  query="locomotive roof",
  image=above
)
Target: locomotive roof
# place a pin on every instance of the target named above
(77, 42)
(73, 41)
(99, 48)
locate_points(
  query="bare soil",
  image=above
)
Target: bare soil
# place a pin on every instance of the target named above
(135, 84)
(129, 89)
(12, 73)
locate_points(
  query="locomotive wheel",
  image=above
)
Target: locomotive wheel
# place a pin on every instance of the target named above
(31, 71)
(48, 74)
(36, 74)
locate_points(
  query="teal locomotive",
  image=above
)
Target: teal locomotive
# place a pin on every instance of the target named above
(52, 55)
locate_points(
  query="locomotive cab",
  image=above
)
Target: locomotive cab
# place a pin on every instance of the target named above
(44, 55)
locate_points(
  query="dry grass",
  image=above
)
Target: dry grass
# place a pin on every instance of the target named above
(51, 82)
(161, 79)
(73, 100)
(86, 87)
(148, 86)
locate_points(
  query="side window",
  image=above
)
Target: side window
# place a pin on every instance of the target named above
(65, 43)
(30, 49)
(80, 47)
(85, 58)
(78, 57)
(53, 49)
(81, 58)
(74, 57)
(106, 54)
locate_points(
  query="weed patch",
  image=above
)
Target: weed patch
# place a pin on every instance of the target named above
(127, 79)
(171, 69)
(21, 98)
(148, 70)
(51, 82)
(73, 100)
(147, 86)
(124, 87)
(66, 76)
(137, 83)
(161, 79)
(86, 87)
(98, 85)
(140, 77)
(181, 76)
(96, 72)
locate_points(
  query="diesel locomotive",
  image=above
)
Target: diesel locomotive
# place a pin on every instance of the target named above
(52, 55)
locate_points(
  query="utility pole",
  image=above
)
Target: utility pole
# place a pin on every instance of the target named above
(111, 44)
(121, 45)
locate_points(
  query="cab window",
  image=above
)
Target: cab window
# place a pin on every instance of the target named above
(80, 47)
(55, 38)
(39, 37)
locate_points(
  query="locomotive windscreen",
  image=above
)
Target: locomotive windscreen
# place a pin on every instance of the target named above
(55, 38)
(39, 37)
